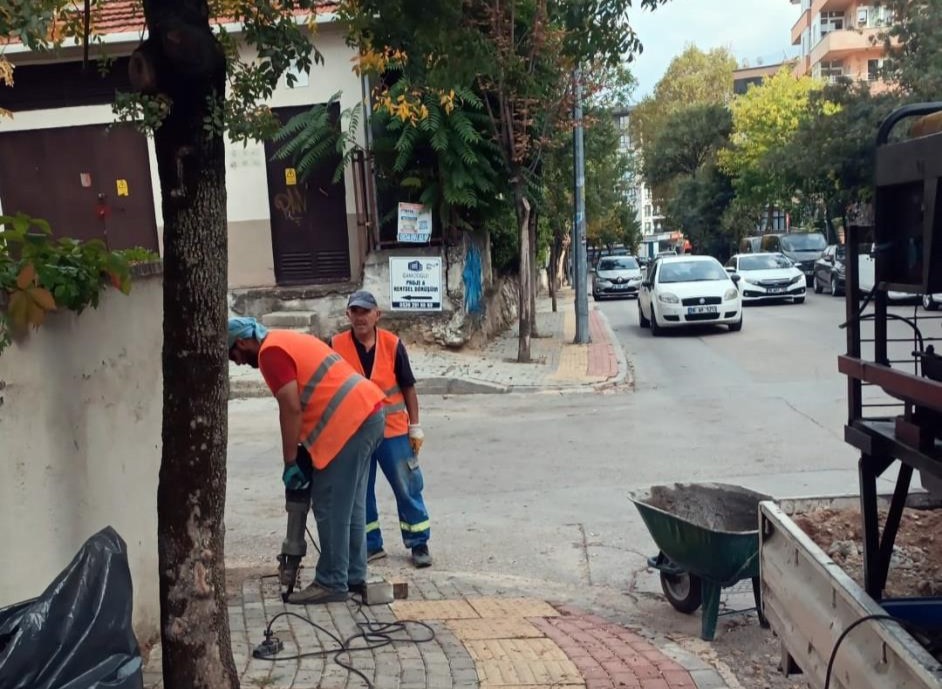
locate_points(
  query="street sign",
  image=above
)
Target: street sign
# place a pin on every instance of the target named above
(415, 223)
(415, 283)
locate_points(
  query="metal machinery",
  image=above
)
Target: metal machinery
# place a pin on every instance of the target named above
(894, 375)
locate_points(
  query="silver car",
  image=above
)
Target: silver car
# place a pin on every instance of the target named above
(616, 276)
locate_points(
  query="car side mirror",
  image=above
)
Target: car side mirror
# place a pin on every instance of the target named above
(735, 277)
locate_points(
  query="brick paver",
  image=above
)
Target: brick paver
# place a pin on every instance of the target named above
(480, 642)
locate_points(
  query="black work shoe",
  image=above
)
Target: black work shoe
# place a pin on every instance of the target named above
(421, 557)
(372, 555)
(358, 589)
(315, 594)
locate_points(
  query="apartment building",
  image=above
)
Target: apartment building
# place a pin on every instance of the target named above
(639, 195)
(840, 38)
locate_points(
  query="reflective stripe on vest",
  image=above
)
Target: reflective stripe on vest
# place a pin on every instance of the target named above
(383, 374)
(335, 399)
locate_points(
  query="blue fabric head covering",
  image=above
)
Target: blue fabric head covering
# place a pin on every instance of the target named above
(245, 328)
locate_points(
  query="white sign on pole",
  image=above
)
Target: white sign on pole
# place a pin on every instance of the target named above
(415, 283)
(415, 223)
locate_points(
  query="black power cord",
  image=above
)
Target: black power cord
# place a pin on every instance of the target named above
(374, 634)
(912, 629)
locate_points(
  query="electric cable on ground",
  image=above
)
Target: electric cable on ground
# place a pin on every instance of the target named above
(375, 634)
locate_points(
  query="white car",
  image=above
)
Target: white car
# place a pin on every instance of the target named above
(767, 276)
(686, 290)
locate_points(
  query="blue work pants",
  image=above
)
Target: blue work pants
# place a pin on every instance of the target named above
(401, 468)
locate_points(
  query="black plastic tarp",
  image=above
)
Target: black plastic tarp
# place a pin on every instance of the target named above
(77, 634)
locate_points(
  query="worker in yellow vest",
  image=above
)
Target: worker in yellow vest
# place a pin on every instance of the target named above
(332, 421)
(381, 356)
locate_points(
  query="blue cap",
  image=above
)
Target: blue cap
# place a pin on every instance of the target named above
(362, 299)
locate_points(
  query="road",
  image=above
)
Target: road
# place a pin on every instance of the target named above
(530, 492)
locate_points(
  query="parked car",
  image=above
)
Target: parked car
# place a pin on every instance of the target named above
(750, 245)
(616, 276)
(866, 275)
(803, 248)
(830, 270)
(767, 276)
(685, 290)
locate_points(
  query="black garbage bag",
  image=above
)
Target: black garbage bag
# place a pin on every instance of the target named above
(77, 634)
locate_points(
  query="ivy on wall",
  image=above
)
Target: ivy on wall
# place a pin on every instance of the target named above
(40, 274)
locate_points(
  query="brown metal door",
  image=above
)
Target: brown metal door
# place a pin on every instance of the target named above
(308, 219)
(89, 182)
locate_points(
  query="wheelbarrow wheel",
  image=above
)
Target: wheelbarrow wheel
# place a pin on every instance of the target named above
(683, 591)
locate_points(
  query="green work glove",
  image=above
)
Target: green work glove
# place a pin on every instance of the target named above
(294, 478)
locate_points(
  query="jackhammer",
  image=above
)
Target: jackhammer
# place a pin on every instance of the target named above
(294, 546)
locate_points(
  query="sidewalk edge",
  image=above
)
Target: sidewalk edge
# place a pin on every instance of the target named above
(624, 376)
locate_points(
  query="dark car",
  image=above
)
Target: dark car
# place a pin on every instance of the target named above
(830, 270)
(803, 248)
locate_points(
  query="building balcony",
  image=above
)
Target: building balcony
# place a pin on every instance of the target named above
(837, 45)
(804, 22)
(832, 5)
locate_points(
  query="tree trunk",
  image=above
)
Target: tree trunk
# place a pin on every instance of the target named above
(526, 274)
(534, 274)
(553, 271)
(182, 60)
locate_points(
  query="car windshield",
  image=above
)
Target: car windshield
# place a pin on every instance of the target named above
(841, 253)
(620, 263)
(763, 262)
(804, 242)
(691, 271)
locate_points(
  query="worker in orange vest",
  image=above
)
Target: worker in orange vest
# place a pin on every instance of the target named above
(332, 421)
(380, 356)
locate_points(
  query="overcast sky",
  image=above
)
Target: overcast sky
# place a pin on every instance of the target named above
(750, 29)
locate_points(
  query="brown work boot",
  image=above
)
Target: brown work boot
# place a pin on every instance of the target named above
(315, 594)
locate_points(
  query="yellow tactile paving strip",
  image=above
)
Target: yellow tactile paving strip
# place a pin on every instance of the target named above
(508, 651)
(507, 628)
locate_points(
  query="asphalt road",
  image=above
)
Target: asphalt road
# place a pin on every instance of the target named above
(529, 492)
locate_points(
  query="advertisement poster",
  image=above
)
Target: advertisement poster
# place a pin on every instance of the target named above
(415, 223)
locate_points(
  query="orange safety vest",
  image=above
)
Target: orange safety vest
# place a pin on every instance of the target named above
(335, 399)
(383, 374)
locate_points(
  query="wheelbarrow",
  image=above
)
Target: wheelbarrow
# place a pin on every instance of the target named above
(708, 540)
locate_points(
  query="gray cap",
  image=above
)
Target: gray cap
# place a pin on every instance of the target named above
(363, 299)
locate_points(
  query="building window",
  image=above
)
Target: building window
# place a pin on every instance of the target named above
(832, 71)
(647, 211)
(831, 21)
(874, 68)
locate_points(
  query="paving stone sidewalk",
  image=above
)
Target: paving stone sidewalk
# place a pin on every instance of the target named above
(480, 642)
(558, 364)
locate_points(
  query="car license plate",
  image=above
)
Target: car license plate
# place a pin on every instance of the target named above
(702, 309)
(776, 290)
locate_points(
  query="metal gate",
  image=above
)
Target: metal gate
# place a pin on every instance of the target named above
(308, 218)
(88, 182)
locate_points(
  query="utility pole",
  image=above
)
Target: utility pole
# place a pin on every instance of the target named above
(580, 265)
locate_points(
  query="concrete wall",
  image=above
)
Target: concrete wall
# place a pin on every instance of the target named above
(80, 419)
(251, 262)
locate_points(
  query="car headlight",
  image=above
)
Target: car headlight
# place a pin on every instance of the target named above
(797, 278)
(749, 282)
(731, 294)
(668, 298)
(603, 281)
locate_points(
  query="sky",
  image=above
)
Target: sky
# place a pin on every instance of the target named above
(750, 29)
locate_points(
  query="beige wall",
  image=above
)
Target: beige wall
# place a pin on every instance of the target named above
(80, 422)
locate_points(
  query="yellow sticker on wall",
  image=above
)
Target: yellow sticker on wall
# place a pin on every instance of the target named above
(291, 176)
(122, 185)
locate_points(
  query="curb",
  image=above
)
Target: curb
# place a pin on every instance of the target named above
(624, 370)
